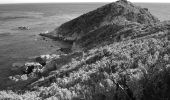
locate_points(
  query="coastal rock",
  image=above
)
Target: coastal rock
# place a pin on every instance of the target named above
(105, 25)
(28, 72)
(28, 67)
(17, 78)
(41, 61)
(49, 57)
(32, 67)
(118, 13)
(31, 70)
(44, 59)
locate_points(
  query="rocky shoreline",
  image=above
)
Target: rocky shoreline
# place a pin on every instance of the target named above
(40, 66)
(57, 38)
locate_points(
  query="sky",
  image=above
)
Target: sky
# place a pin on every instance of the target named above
(51, 1)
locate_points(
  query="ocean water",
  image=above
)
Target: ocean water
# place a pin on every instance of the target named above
(18, 45)
(159, 10)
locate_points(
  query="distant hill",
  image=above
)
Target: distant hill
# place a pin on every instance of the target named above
(113, 16)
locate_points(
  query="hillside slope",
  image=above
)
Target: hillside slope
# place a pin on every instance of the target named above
(91, 26)
(126, 56)
(117, 13)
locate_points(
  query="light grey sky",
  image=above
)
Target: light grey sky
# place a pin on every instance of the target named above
(50, 1)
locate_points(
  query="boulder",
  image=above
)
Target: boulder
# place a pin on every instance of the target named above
(32, 67)
(44, 59)
(17, 78)
(41, 61)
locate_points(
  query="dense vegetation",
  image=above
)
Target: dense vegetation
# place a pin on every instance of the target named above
(119, 62)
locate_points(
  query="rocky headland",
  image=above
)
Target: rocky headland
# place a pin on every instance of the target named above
(118, 52)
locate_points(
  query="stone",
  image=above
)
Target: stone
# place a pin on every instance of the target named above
(44, 59)
(41, 61)
(30, 66)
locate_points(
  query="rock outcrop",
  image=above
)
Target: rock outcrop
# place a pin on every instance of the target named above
(119, 13)
(103, 24)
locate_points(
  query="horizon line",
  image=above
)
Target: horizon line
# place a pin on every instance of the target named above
(74, 2)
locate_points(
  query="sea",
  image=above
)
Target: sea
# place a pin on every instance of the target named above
(18, 46)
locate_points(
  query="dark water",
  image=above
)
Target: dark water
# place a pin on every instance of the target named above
(18, 45)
